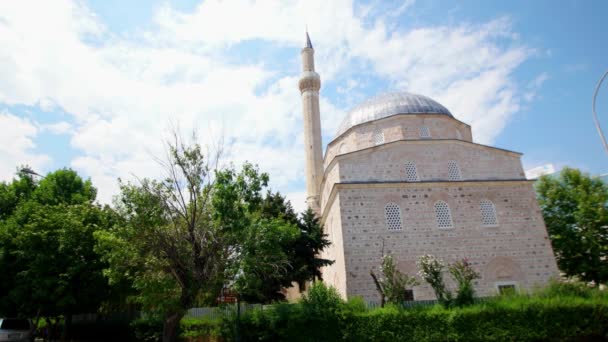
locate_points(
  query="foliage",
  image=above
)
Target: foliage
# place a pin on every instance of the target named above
(201, 228)
(575, 210)
(431, 270)
(201, 326)
(264, 264)
(464, 274)
(559, 312)
(394, 286)
(47, 245)
(308, 247)
(148, 328)
(298, 241)
(316, 318)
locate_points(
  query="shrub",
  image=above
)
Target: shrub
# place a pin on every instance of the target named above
(199, 326)
(431, 269)
(393, 286)
(559, 312)
(464, 274)
(148, 328)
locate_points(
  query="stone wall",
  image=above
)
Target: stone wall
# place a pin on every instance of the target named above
(431, 158)
(335, 274)
(398, 127)
(517, 250)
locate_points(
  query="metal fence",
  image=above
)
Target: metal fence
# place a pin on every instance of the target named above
(222, 311)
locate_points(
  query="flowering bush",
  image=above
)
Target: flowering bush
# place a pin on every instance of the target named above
(431, 269)
(393, 286)
(464, 274)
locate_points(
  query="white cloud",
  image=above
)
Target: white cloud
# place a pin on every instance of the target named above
(61, 127)
(534, 86)
(124, 92)
(16, 145)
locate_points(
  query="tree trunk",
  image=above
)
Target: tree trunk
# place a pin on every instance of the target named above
(67, 327)
(378, 288)
(170, 326)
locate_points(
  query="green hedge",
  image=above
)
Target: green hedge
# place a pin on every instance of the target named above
(560, 312)
(532, 322)
(194, 327)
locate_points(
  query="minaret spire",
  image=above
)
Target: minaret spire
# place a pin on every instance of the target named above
(308, 43)
(309, 85)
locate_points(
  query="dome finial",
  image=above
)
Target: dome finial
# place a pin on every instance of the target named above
(308, 43)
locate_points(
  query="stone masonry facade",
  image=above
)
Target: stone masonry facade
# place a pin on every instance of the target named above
(359, 184)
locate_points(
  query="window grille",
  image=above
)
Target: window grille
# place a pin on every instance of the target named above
(453, 171)
(425, 132)
(411, 175)
(392, 213)
(378, 137)
(444, 217)
(488, 213)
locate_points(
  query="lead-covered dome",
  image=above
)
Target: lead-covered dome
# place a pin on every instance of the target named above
(390, 104)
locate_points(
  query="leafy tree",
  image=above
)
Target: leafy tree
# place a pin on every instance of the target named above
(393, 286)
(308, 247)
(574, 207)
(301, 251)
(184, 237)
(265, 265)
(46, 245)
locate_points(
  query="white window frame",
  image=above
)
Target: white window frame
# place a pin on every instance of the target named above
(453, 167)
(424, 132)
(378, 136)
(495, 224)
(411, 165)
(449, 213)
(387, 219)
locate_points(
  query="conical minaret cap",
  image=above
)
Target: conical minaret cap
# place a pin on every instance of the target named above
(308, 43)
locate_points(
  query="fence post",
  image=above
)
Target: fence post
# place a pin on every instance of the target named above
(238, 319)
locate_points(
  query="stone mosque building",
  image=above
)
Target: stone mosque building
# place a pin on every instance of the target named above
(402, 175)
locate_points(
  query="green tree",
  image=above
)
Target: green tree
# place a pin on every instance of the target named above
(574, 207)
(308, 247)
(46, 245)
(181, 239)
(301, 251)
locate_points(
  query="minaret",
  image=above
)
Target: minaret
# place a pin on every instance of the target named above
(309, 84)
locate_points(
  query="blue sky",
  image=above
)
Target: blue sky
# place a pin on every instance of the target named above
(96, 85)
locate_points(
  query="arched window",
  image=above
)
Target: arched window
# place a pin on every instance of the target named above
(444, 216)
(453, 171)
(425, 132)
(392, 213)
(378, 136)
(342, 148)
(411, 175)
(488, 213)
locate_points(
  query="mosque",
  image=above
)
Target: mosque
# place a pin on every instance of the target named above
(402, 176)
